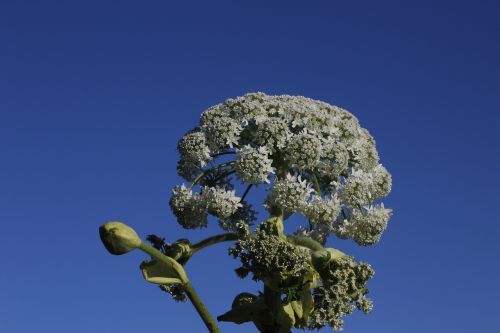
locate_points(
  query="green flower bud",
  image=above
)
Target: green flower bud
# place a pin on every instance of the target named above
(118, 238)
(321, 258)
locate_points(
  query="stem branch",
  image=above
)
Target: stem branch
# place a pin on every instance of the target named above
(223, 153)
(213, 240)
(246, 192)
(307, 242)
(316, 182)
(206, 172)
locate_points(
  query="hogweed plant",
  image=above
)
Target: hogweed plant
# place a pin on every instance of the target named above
(313, 159)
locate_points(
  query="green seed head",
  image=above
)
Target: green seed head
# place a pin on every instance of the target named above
(118, 238)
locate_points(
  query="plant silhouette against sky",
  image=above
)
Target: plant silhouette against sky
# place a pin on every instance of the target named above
(313, 159)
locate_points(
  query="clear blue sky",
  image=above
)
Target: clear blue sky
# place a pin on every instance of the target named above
(95, 94)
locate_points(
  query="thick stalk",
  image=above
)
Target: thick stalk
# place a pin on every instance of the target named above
(273, 300)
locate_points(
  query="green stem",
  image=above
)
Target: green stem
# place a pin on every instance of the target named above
(230, 172)
(213, 240)
(315, 182)
(200, 307)
(272, 298)
(223, 153)
(206, 172)
(246, 192)
(343, 213)
(188, 288)
(307, 242)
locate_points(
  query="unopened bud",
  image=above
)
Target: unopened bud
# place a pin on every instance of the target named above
(119, 238)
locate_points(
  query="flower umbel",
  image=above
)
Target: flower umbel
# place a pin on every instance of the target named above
(190, 209)
(289, 194)
(220, 202)
(253, 165)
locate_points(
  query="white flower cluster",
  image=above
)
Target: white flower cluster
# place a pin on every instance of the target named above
(322, 211)
(289, 194)
(362, 187)
(335, 160)
(364, 153)
(366, 225)
(304, 150)
(307, 143)
(221, 202)
(191, 208)
(274, 133)
(193, 148)
(222, 131)
(382, 181)
(253, 165)
(357, 190)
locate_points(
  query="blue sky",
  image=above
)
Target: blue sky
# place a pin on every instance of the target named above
(95, 94)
